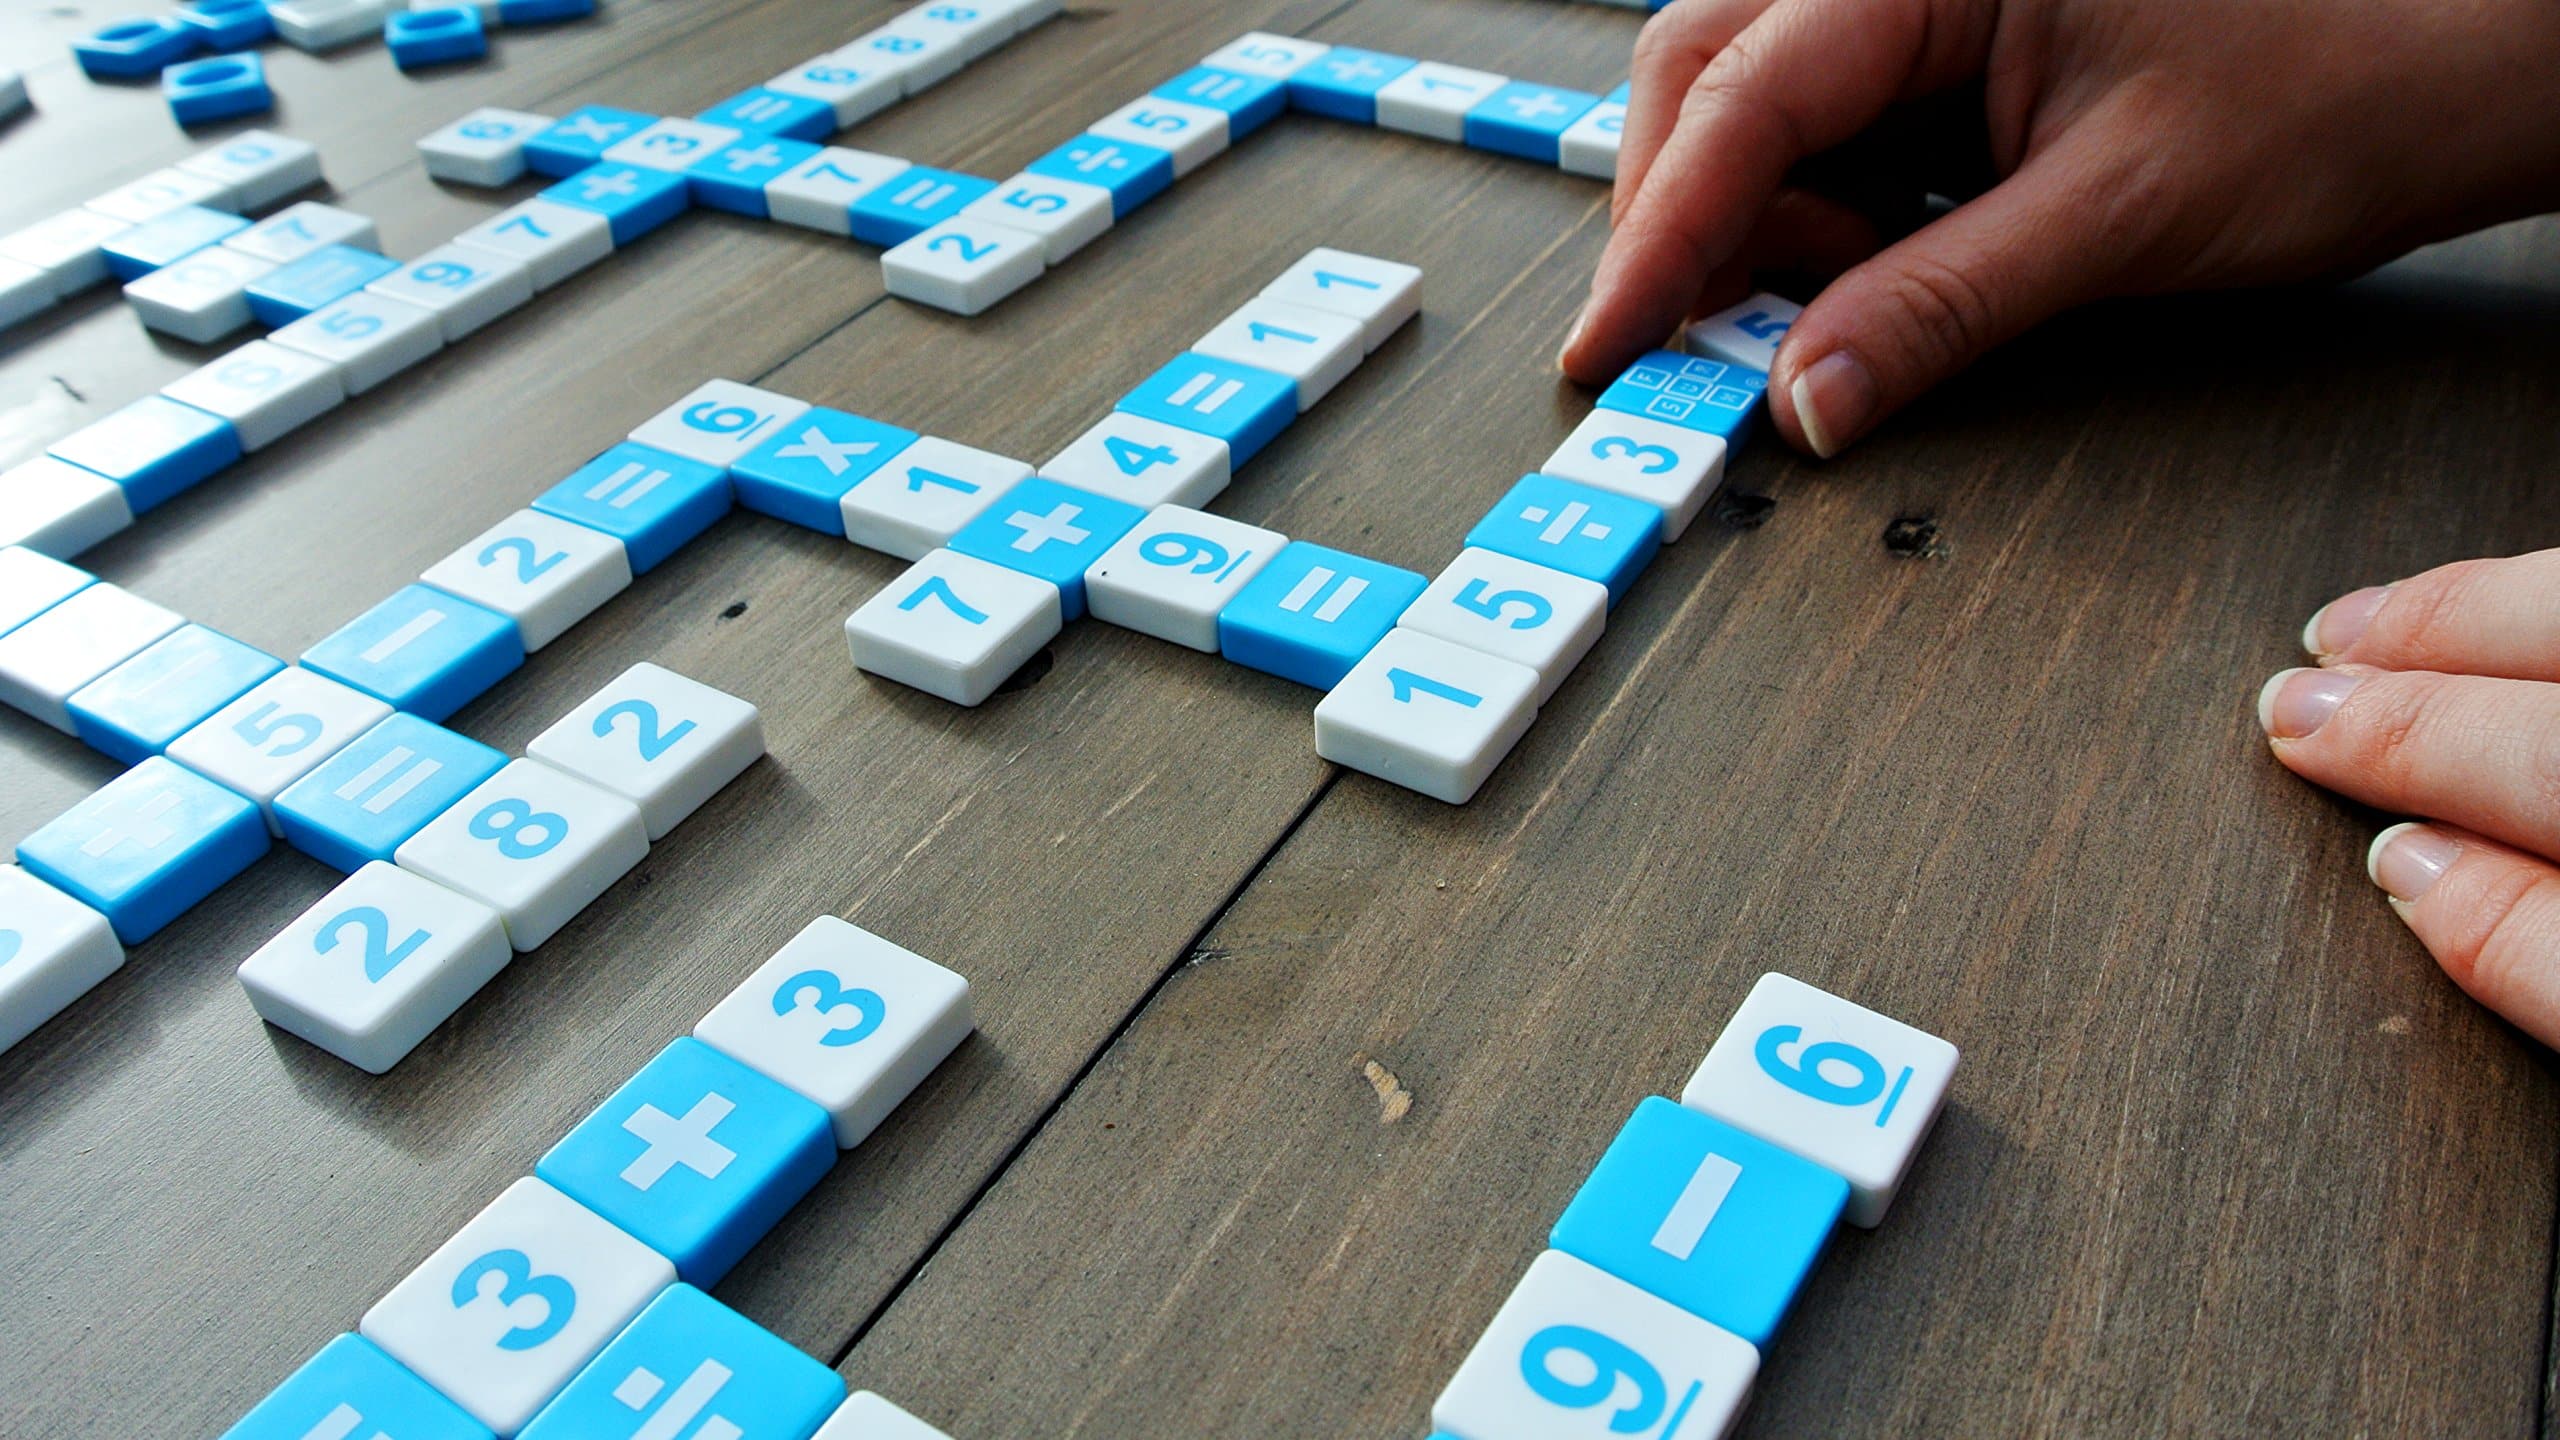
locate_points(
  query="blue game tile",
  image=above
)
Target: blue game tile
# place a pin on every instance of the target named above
(634, 199)
(802, 473)
(134, 253)
(1244, 406)
(1620, 95)
(223, 26)
(771, 112)
(581, 137)
(129, 48)
(1051, 531)
(155, 448)
(1313, 612)
(1576, 528)
(1692, 393)
(651, 501)
(352, 1390)
(543, 12)
(441, 36)
(1720, 1223)
(733, 177)
(200, 92)
(422, 651)
(1526, 120)
(1344, 83)
(697, 1156)
(1133, 173)
(914, 201)
(133, 711)
(317, 280)
(690, 1366)
(1249, 101)
(362, 802)
(147, 846)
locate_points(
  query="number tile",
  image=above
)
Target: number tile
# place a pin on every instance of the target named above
(359, 805)
(1192, 134)
(658, 740)
(155, 448)
(690, 1357)
(697, 1156)
(954, 626)
(49, 658)
(201, 299)
(297, 230)
(1430, 716)
(671, 144)
(1846, 1088)
(1134, 174)
(65, 248)
(58, 508)
(160, 192)
(1673, 469)
(1315, 349)
(1258, 52)
(1513, 610)
(368, 337)
(1065, 215)
(1747, 334)
(551, 240)
(379, 963)
(1577, 1354)
(272, 736)
(503, 1314)
(1722, 1224)
(1313, 612)
(1242, 405)
(719, 423)
(855, 92)
(819, 192)
(1433, 99)
(265, 390)
(257, 168)
(137, 708)
(845, 1018)
(167, 239)
(349, 1385)
(465, 286)
(53, 950)
(485, 147)
(963, 264)
(1589, 146)
(532, 843)
(912, 505)
(540, 571)
(1144, 462)
(421, 650)
(1380, 294)
(1171, 575)
(147, 846)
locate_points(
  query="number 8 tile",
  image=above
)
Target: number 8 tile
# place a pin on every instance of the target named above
(532, 843)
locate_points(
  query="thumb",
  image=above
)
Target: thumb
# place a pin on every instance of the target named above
(2068, 227)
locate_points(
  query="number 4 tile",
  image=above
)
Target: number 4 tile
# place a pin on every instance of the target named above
(1837, 1083)
(1577, 1354)
(375, 966)
(845, 1018)
(1430, 716)
(658, 740)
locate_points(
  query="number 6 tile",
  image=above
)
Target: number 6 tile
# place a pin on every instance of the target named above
(658, 740)
(375, 966)
(532, 843)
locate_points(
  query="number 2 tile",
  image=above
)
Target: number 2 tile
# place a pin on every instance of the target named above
(1427, 715)
(1851, 1090)
(544, 573)
(845, 1018)
(380, 962)
(964, 264)
(658, 740)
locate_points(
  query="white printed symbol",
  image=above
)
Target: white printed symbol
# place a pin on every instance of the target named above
(1038, 530)
(761, 109)
(628, 483)
(340, 1423)
(1315, 583)
(762, 157)
(588, 126)
(134, 820)
(1205, 389)
(694, 1394)
(1218, 87)
(385, 782)
(1535, 107)
(618, 182)
(184, 670)
(923, 194)
(1563, 525)
(398, 640)
(1690, 1215)
(1363, 68)
(813, 444)
(679, 1140)
(1088, 158)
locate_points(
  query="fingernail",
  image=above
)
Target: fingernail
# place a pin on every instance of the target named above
(2339, 624)
(2297, 702)
(1835, 397)
(1573, 332)
(2407, 860)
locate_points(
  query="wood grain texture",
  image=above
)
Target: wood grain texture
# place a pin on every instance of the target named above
(2226, 1155)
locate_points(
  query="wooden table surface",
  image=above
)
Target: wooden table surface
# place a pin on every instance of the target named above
(1283, 1072)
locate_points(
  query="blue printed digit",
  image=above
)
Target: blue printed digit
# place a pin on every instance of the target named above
(381, 957)
(1479, 596)
(348, 325)
(919, 477)
(1200, 556)
(1261, 333)
(1761, 325)
(531, 563)
(1404, 685)
(1038, 202)
(937, 588)
(447, 273)
(1609, 1362)
(1804, 1075)
(1658, 459)
(527, 224)
(826, 994)
(518, 1282)
(971, 251)
(1136, 459)
(645, 733)
(257, 729)
(719, 419)
(1326, 280)
(506, 821)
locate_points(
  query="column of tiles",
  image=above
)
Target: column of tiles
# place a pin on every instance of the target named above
(1671, 1269)
(461, 858)
(571, 1307)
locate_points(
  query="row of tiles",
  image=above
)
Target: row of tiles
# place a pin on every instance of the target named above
(1672, 1267)
(145, 45)
(571, 1307)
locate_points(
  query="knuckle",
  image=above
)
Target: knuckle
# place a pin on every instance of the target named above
(2421, 623)
(2512, 938)
(1667, 34)
(1949, 316)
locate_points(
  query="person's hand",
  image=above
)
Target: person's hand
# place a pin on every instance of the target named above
(2146, 145)
(2440, 697)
